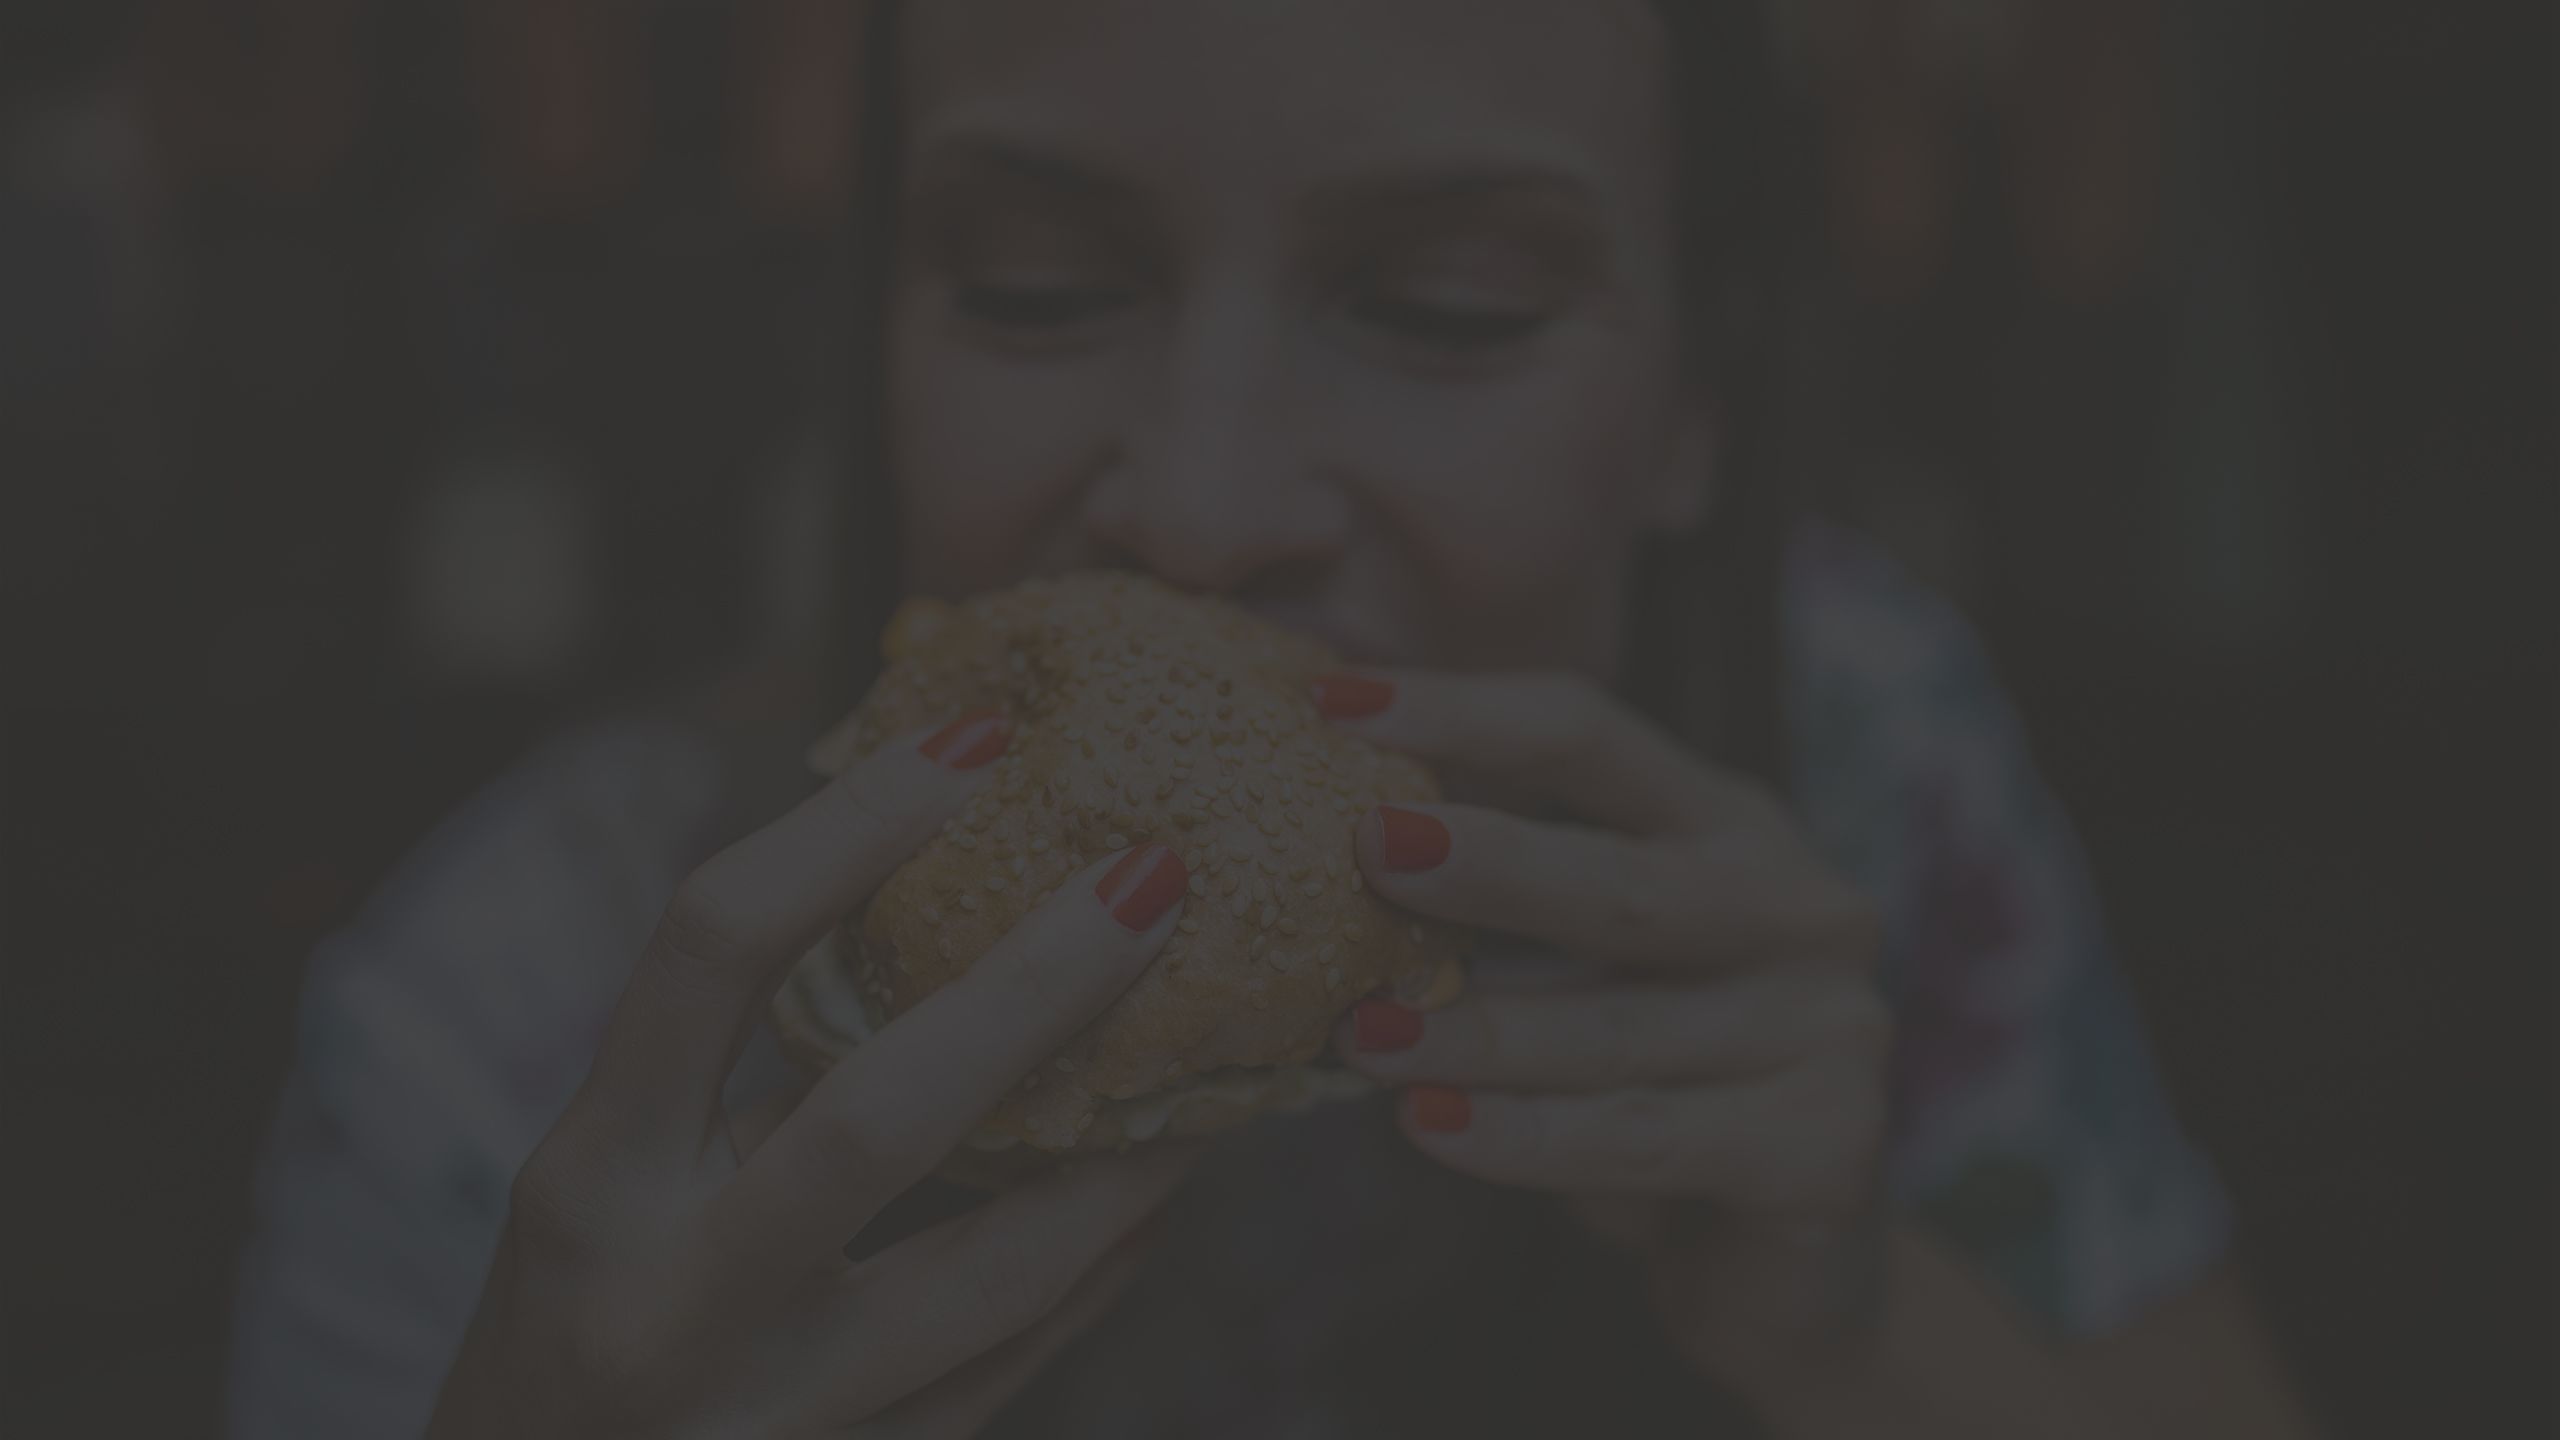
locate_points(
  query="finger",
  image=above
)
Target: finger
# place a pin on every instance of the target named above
(753, 1124)
(1557, 735)
(755, 907)
(1681, 905)
(883, 1117)
(1795, 1143)
(1609, 1037)
(922, 1309)
(960, 1404)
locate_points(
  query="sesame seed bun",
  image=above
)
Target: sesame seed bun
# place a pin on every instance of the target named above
(1140, 714)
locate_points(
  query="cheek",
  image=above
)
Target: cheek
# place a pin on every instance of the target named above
(1518, 501)
(988, 456)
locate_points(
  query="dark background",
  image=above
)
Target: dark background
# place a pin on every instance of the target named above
(2203, 349)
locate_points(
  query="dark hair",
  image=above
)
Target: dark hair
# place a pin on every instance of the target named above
(1704, 656)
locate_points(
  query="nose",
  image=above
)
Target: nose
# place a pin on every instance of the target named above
(1214, 485)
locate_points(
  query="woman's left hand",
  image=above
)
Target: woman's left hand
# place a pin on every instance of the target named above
(1709, 1081)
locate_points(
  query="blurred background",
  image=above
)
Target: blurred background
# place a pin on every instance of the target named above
(385, 384)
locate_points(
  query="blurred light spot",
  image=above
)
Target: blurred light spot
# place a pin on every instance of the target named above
(498, 574)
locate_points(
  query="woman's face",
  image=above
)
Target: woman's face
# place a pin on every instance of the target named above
(1357, 311)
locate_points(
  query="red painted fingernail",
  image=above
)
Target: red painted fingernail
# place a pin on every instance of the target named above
(1351, 697)
(1410, 839)
(970, 741)
(1381, 1026)
(1146, 883)
(1440, 1110)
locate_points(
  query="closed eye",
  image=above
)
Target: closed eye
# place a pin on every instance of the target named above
(1041, 307)
(1448, 324)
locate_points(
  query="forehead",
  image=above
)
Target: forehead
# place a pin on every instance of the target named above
(1265, 92)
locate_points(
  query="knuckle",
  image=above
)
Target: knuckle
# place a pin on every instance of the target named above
(1009, 1288)
(1633, 1045)
(701, 940)
(1648, 1148)
(1644, 909)
(554, 1200)
(1856, 924)
(850, 1140)
(871, 807)
(1863, 1022)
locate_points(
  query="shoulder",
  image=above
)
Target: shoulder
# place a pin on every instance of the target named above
(467, 993)
(1892, 702)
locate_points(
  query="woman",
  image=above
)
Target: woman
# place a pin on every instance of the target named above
(1413, 322)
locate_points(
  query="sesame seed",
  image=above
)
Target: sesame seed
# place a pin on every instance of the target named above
(1191, 859)
(1288, 926)
(1312, 889)
(1416, 931)
(965, 840)
(1066, 1065)
(1187, 925)
(1280, 842)
(1020, 865)
(933, 914)
(1260, 944)
(969, 902)
(996, 880)
(1114, 724)
(1240, 904)
(942, 948)
(1039, 844)
(1269, 914)
(1333, 977)
(1115, 841)
(1351, 934)
(1199, 885)
(1356, 883)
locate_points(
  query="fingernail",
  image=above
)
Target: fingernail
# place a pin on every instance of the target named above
(1351, 697)
(1380, 1027)
(1411, 840)
(1145, 884)
(970, 741)
(1439, 1109)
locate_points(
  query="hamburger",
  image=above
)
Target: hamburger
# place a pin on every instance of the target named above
(1140, 714)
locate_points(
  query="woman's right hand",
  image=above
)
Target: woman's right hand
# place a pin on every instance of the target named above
(666, 1271)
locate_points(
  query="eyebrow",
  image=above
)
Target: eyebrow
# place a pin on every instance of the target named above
(1420, 181)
